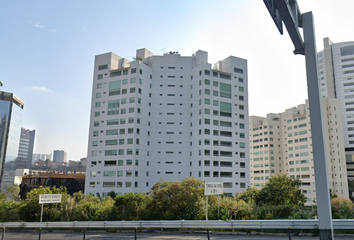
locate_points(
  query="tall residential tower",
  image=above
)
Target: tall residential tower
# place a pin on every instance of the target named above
(336, 79)
(167, 117)
(11, 108)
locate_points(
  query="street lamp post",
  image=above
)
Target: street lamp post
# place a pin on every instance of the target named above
(287, 11)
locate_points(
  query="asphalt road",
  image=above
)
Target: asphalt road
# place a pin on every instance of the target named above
(45, 235)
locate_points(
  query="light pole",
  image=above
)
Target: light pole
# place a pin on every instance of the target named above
(288, 11)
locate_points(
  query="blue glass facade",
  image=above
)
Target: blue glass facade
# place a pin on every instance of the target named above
(10, 130)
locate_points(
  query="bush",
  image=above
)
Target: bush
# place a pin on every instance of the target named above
(342, 208)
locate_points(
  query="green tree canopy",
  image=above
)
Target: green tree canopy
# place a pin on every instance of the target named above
(177, 200)
(281, 190)
(130, 206)
(249, 196)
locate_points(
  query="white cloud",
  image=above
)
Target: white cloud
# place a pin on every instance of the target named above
(39, 25)
(41, 89)
(54, 30)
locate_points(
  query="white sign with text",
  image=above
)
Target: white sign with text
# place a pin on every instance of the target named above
(49, 198)
(213, 188)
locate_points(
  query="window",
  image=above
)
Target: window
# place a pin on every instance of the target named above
(112, 122)
(110, 153)
(98, 95)
(115, 74)
(109, 173)
(225, 109)
(114, 88)
(225, 90)
(238, 70)
(225, 164)
(103, 67)
(226, 174)
(112, 132)
(113, 107)
(109, 184)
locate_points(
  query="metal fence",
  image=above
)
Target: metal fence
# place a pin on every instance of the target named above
(190, 224)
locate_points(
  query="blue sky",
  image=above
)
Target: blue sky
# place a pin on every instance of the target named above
(48, 47)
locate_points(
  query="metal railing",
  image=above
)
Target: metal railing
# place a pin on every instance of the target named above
(199, 224)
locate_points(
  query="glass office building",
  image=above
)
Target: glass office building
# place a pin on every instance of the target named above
(11, 108)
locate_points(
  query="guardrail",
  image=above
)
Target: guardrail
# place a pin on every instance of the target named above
(213, 224)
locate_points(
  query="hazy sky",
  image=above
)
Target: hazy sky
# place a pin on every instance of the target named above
(48, 47)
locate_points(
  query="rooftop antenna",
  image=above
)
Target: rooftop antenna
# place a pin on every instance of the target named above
(164, 50)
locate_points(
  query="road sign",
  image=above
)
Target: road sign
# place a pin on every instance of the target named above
(49, 198)
(213, 188)
(274, 12)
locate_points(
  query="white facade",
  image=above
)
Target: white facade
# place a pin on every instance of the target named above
(281, 143)
(41, 156)
(167, 117)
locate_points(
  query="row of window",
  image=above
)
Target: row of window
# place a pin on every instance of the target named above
(136, 184)
(223, 75)
(117, 121)
(298, 126)
(223, 174)
(128, 162)
(117, 142)
(303, 154)
(116, 111)
(297, 133)
(115, 131)
(299, 162)
(260, 128)
(113, 184)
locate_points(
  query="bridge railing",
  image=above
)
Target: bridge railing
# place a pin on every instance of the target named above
(190, 224)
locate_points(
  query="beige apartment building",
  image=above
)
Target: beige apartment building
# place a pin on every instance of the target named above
(282, 143)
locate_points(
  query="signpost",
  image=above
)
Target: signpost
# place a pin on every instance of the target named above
(213, 188)
(48, 198)
(288, 11)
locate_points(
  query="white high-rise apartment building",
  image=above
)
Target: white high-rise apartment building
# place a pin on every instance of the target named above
(41, 156)
(336, 79)
(282, 143)
(167, 117)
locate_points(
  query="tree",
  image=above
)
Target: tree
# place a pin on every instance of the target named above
(3, 196)
(281, 190)
(14, 192)
(130, 206)
(250, 195)
(112, 194)
(9, 211)
(30, 211)
(177, 200)
(92, 208)
(332, 194)
(342, 208)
